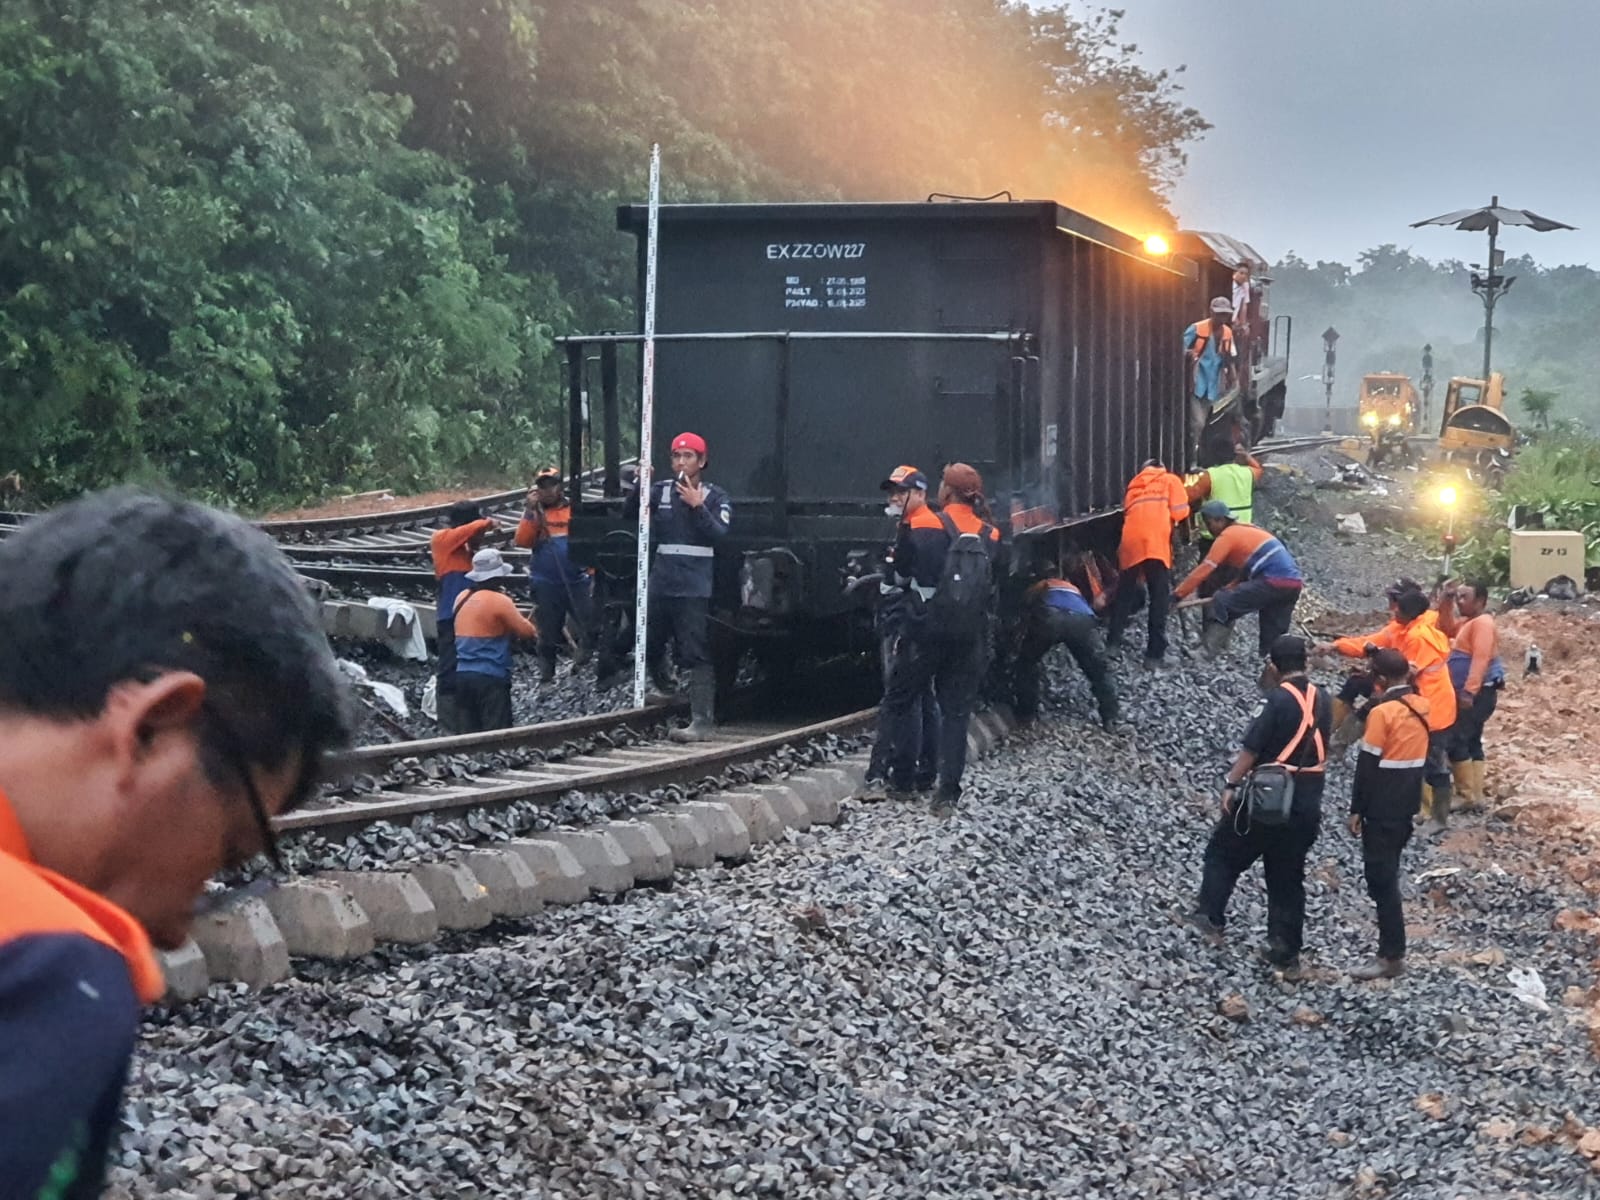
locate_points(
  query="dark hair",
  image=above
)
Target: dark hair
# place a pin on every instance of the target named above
(127, 585)
(1392, 665)
(1479, 589)
(1288, 653)
(1411, 605)
(464, 512)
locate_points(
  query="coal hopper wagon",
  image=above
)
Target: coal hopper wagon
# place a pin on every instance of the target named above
(817, 346)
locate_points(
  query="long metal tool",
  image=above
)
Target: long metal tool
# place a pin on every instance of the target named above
(647, 401)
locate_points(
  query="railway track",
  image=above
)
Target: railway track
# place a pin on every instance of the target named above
(635, 767)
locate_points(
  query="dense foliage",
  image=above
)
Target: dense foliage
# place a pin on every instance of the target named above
(1555, 484)
(1394, 302)
(260, 248)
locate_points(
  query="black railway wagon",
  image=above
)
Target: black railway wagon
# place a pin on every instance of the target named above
(817, 346)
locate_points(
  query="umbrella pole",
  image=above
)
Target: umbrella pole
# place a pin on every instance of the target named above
(1489, 294)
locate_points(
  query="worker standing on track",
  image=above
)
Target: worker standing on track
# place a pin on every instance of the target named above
(486, 620)
(1055, 613)
(559, 588)
(1414, 632)
(452, 549)
(688, 517)
(1477, 674)
(1232, 483)
(1384, 800)
(165, 690)
(1290, 729)
(907, 490)
(947, 561)
(1152, 506)
(1269, 582)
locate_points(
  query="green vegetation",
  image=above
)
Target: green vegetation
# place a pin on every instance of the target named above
(1556, 481)
(1538, 403)
(264, 249)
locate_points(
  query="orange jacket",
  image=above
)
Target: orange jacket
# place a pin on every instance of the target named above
(449, 547)
(1153, 504)
(1428, 652)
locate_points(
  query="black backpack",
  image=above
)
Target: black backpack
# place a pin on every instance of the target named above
(959, 605)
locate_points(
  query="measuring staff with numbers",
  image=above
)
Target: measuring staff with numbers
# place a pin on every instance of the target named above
(688, 516)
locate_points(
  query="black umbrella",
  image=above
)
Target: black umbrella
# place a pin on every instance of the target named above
(1490, 285)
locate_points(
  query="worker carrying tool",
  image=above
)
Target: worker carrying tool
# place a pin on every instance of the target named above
(1152, 506)
(688, 517)
(1271, 808)
(1477, 674)
(452, 548)
(948, 561)
(486, 620)
(559, 588)
(1055, 613)
(907, 493)
(1233, 483)
(1413, 630)
(1384, 799)
(1268, 580)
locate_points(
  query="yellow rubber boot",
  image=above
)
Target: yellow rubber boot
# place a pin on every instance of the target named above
(1480, 789)
(1461, 772)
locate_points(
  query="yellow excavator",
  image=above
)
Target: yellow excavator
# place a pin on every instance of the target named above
(1475, 433)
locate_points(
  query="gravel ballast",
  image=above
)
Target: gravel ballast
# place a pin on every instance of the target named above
(1003, 1004)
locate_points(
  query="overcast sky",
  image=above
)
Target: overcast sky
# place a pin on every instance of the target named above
(1337, 124)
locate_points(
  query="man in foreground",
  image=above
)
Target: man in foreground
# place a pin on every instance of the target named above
(165, 690)
(1290, 729)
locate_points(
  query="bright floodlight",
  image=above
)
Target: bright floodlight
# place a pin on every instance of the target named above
(1155, 245)
(1447, 496)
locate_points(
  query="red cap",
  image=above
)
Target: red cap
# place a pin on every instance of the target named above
(690, 441)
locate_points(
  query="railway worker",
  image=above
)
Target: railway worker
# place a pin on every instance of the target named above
(559, 588)
(907, 490)
(452, 548)
(1291, 729)
(1213, 359)
(1384, 799)
(165, 689)
(1153, 505)
(1477, 674)
(486, 620)
(1267, 579)
(1055, 613)
(944, 642)
(1233, 483)
(688, 517)
(1349, 706)
(1414, 632)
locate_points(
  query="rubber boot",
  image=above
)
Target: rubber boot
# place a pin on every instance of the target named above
(1214, 638)
(1461, 775)
(1439, 810)
(547, 670)
(702, 702)
(1480, 786)
(663, 686)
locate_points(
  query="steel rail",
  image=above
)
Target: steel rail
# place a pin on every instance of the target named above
(627, 769)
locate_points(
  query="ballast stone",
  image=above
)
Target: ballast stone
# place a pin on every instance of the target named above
(319, 919)
(647, 850)
(395, 902)
(604, 864)
(686, 837)
(559, 876)
(243, 944)
(513, 890)
(459, 900)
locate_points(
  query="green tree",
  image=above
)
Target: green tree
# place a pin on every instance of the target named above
(1537, 403)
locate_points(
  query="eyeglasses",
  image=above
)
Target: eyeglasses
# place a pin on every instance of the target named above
(232, 748)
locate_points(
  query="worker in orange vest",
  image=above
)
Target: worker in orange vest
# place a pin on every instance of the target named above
(1414, 631)
(1153, 505)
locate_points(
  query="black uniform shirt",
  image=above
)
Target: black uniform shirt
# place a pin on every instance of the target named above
(684, 538)
(1277, 721)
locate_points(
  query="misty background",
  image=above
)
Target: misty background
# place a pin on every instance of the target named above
(1334, 127)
